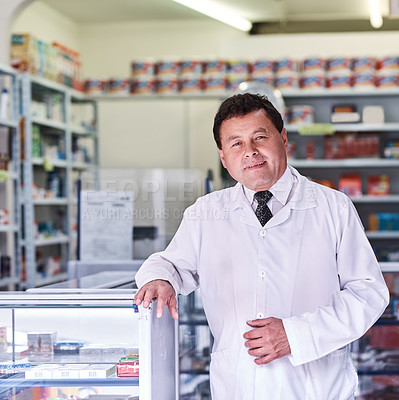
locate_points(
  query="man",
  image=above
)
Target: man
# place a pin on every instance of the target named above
(284, 294)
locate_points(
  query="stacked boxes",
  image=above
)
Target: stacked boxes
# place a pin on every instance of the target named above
(51, 61)
(217, 75)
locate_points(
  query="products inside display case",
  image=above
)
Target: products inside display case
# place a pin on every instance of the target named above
(72, 343)
(376, 354)
(194, 349)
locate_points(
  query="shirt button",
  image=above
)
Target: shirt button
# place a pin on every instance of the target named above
(262, 274)
(262, 233)
(260, 315)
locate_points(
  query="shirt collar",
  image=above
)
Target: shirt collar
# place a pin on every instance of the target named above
(280, 190)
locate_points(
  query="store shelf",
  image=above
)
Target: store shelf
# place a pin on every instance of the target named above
(10, 237)
(355, 127)
(9, 281)
(49, 123)
(382, 234)
(377, 372)
(51, 202)
(8, 123)
(48, 84)
(82, 166)
(333, 93)
(20, 381)
(49, 280)
(384, 242)
(12, 175)
(393, 198)
(65, 132)
(54, 163)
(82, 131)
(8, 228)
(345, 163)
(61, 239)
(389, 266)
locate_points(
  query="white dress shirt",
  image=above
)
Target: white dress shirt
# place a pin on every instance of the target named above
(282, 191)
(311, 265)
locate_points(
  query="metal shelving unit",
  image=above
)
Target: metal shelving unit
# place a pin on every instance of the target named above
(370, 347)
(53, 161)
(10, 188)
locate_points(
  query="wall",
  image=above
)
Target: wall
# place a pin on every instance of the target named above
(109, 49)
(298, 46)
(47, 24)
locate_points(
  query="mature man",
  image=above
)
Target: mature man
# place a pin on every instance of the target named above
(288, 278)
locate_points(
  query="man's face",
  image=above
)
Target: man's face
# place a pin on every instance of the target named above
(253, 151)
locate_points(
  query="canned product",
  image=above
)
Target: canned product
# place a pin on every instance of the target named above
(364, 80)
(285, 65)
(339, 81)
(118, 86)
(363, 64)
(190, 67)
(166, 85)
(142, 85)
(190, 84)
(167, 68)
(266, 79)
(387, 81)
(94, 86)
(388, 63)
(287, 81)
(313, 65)
(214, 67)
(315, 81)
(215, 84)
(141, 68)
(338, 65)
(261, 67)
(237, 68)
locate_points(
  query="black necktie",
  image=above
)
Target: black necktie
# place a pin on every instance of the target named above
(263, 211)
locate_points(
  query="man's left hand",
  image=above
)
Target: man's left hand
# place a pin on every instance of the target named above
(268, 341)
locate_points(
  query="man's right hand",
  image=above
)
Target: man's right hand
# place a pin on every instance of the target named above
(163, 292)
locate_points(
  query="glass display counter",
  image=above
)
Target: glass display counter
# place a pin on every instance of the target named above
(86, 344)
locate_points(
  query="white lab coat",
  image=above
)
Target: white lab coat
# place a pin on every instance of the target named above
(311, 265)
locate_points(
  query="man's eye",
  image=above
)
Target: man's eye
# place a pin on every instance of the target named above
(260, 137)
(236, 144)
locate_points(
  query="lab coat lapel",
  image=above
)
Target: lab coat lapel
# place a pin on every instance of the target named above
(238, 203)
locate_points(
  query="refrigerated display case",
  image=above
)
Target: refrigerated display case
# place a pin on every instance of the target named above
(85, 344)
(377, 352)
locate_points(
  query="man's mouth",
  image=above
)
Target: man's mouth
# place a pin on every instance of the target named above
(255, 165)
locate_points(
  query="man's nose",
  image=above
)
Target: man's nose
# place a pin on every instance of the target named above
(251, 150)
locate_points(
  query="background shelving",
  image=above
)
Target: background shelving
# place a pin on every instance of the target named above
(373, 353)
(56, 120)
(10, 250)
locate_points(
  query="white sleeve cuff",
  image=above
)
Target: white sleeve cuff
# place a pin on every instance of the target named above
(301, 341)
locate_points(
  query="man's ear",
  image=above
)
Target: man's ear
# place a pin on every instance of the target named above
(222, 157)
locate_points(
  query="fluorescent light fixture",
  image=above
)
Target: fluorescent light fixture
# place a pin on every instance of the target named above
(218, 12)
(375, 14)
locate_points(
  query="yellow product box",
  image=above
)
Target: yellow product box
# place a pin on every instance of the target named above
(24, 53)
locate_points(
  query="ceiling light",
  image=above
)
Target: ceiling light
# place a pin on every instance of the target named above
(218, 12)
(375, 13)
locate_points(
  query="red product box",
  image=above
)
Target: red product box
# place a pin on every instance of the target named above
(127, 369)
(378, 185)
(350, 184)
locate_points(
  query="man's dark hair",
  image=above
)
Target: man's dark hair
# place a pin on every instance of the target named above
(243, 104)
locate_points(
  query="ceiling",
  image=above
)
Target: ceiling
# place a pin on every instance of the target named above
(268, 16)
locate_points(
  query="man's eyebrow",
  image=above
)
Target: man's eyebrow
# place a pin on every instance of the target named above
(233, 137)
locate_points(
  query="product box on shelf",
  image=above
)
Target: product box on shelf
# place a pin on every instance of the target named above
(350, 184)
(23, 55)
(378, 185)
